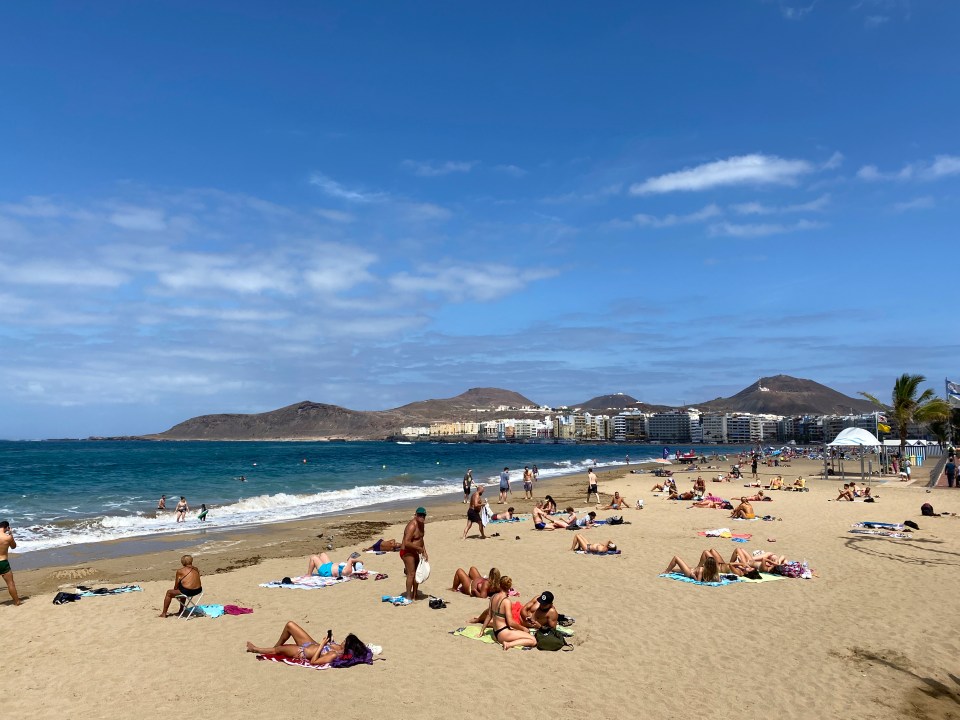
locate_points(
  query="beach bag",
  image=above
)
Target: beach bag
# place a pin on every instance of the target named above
(61, 598)
(550, 639)
(615, 520)
(347, 660)
(790, 570)
(423, 571)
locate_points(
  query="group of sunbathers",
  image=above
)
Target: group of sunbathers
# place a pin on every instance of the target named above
(850, 491)
(712, 566)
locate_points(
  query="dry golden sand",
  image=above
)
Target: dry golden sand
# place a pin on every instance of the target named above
(874, 636)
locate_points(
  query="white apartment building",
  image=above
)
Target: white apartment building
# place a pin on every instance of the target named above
(670, 427)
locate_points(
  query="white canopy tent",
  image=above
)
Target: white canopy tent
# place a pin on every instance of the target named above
(853, 437)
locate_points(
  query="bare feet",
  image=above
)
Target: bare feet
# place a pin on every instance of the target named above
(251, 648)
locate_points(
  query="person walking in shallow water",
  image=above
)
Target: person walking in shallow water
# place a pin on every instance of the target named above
(182, 509)
(162, 503)
(467, 484)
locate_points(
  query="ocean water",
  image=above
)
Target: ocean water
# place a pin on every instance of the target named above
(61, 493)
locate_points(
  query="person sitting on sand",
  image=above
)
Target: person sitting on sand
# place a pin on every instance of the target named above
(542, 521)
(709, 572)
(744, 510)
(306, 648)
(549, 505)
(799, 483)
(186, 584)
(382, 545)
(508, 515)
(699, 486)
(845, 493)
(322, 566)
(580, 543)
(776, 483)
(507, 628)
(617, 502)
(474, 584)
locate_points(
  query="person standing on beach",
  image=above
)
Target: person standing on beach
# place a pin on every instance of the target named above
(504, 485)
(951, 470)
(467, 484)
(7, 543)
(162, 503)
(536, 473)
(527, 483)
(413, 547)
(592, 485)
(182, 509)
(473, 513)
(753, 465)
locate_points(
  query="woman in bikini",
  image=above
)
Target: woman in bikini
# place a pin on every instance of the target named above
(549, 505)
(474, 584)
(580, 543)
(306, 648)
(508, 630)
(182, 509)
(708, 572)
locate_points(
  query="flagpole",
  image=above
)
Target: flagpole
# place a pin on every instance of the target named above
(946, 388)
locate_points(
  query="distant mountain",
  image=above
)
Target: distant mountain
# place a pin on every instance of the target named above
(309, 420)
(616, 402)
(785, 395)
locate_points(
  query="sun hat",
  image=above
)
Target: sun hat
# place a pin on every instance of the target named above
(422, 511)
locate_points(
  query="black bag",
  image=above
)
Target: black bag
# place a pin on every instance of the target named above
(64, 597)
(615, 520)
(551, 639)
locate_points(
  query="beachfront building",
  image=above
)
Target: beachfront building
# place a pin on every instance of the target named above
(713, 426)
(446, 429)
(629, 426)
(563, 427)
(415, 431)
(744, 429)
(669, 427)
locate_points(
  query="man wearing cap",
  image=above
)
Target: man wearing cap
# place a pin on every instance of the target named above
(540, 612)
(410, 550)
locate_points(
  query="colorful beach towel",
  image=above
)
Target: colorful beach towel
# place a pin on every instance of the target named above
(880, 532)
(506, 520)
(95, 592)
(683, 578)
(764, 577)
(878, 525)
(210, 611)
(608, 552)
(398, 600)
(306, 582)
(725, 533)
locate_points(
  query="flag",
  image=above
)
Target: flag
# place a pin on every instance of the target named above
(883, 428)
(953, 391)
(881, 417)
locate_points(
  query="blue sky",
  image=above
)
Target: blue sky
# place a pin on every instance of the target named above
(231, 207)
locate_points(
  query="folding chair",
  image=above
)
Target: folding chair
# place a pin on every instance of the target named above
(189, 604)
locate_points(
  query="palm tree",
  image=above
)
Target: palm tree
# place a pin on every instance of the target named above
(906, 407)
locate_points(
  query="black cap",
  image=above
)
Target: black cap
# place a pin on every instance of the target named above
(546, 598)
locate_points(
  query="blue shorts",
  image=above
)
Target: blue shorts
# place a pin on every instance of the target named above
(539, 526)
(326, 570)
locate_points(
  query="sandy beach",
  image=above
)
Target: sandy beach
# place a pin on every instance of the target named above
(874, 635)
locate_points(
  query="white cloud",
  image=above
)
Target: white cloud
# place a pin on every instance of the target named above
(76, 274)
(942, 166)
(835, 161)
(920, 203)
(334, 189)
(875, 21)
(136, 218)
(428, 168)
(706, 213)
(796, 12)
(425, 212)
(237, 274)
(761, 229)
(512, 170)
(468, 282)
(340, 268)
(741, 170)
(757, 208)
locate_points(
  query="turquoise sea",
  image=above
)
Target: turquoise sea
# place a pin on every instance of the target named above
(61, 493)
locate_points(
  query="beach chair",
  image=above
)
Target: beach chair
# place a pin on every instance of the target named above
(190, 604)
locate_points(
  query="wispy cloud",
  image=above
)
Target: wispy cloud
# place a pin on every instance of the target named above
(430, 168)
(137, 218)
(511, 170)
(334, 189)
(757, 208)
(761, 229)
(875, 21)
(337, 216)
(590, 196)
(459, 282)
(940, 167)
(834, 161)
(791, 11)
(54, 272)
(752, 169)
(706, 213)
(920, 203)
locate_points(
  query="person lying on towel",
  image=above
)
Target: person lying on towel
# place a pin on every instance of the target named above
(306, 648)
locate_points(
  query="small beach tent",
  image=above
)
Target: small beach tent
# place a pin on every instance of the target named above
(854, 437)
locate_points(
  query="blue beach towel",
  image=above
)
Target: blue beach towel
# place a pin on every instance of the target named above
(683, 578)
